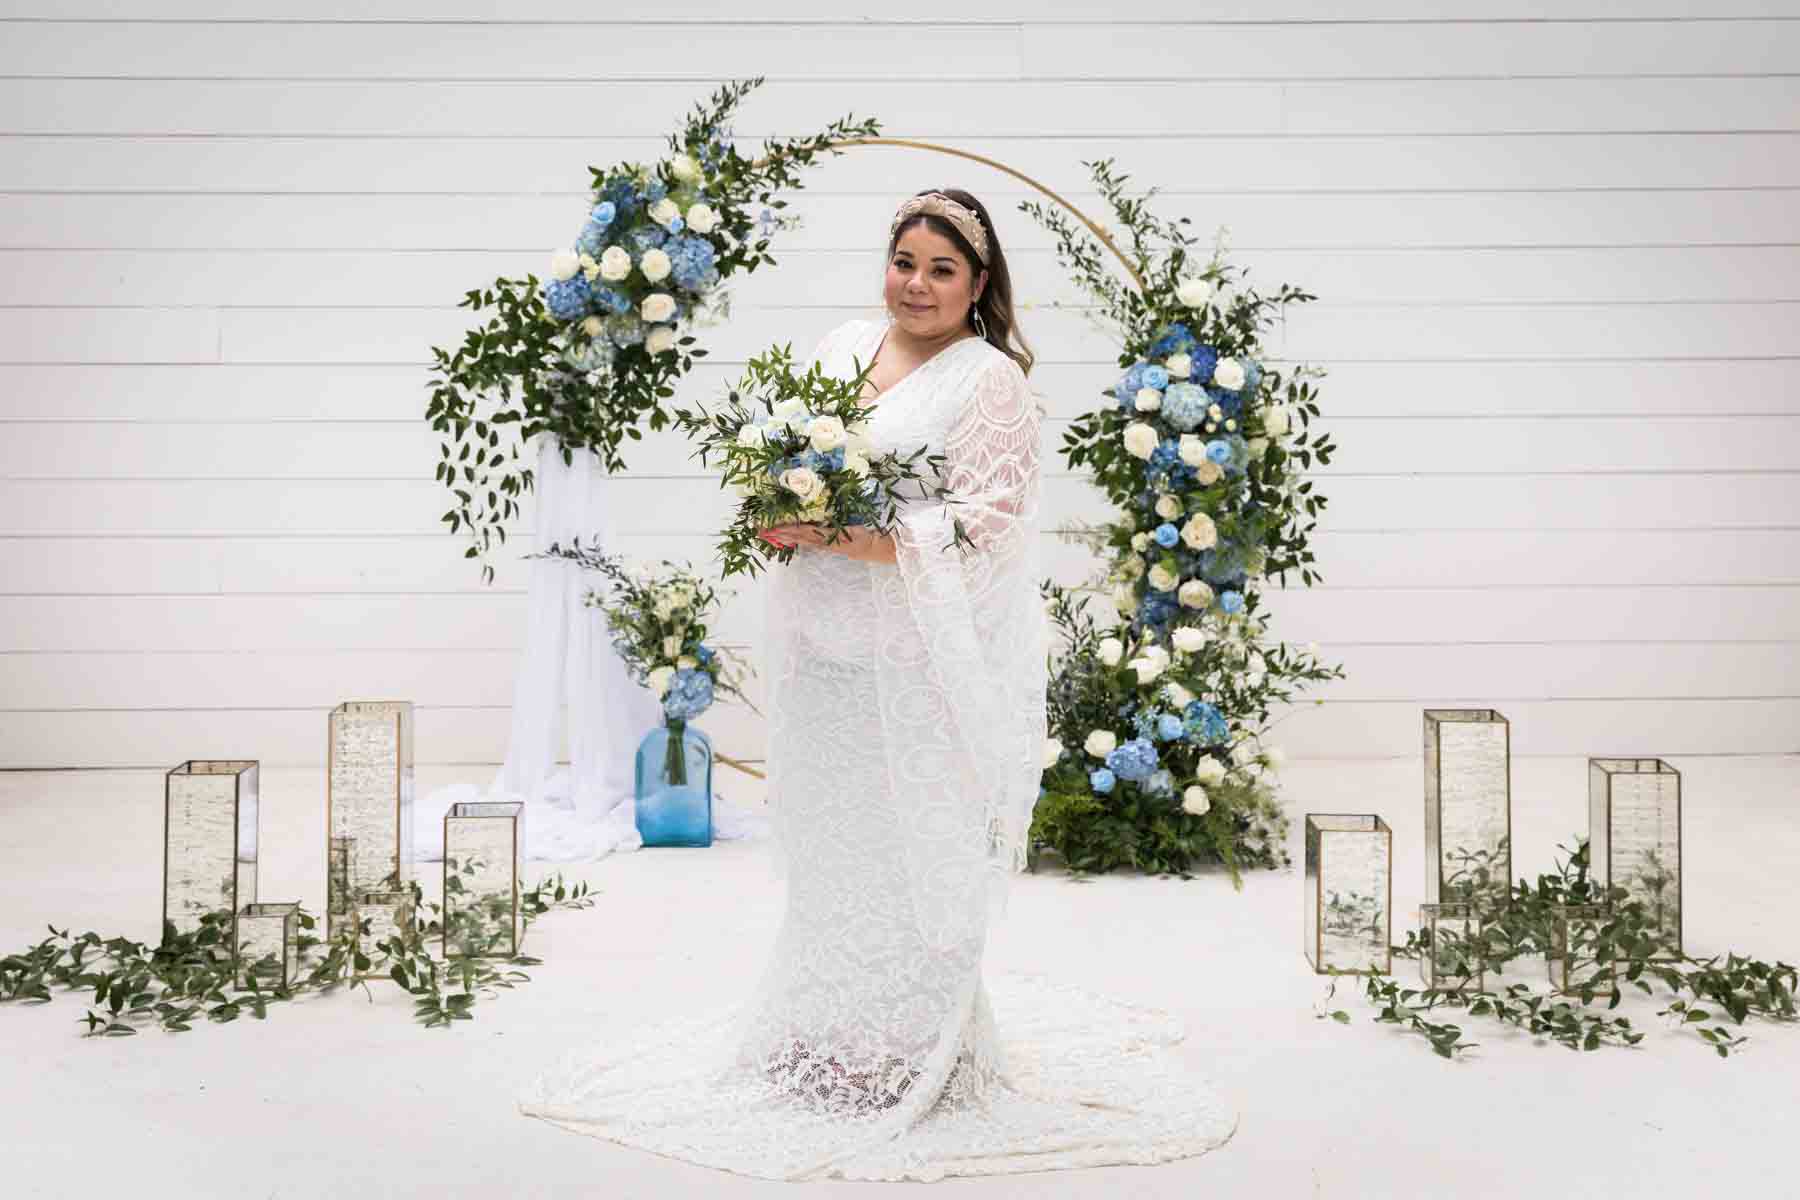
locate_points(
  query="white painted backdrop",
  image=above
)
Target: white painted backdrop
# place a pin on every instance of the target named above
(1557, 244)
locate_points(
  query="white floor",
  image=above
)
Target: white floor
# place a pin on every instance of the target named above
(338, 1097)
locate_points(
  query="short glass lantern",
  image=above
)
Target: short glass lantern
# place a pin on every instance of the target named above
(674, 786)
(369, 797)
(1581, 957)
(1454, 957)
(1468, 806)
(1348, 918)
(483, 917)
(380, 916)
(268, 945)
(209, 842)
(1634, 839)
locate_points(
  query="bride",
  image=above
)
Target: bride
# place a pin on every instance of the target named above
(906, 678)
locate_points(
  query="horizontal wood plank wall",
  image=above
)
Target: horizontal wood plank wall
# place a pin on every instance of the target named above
(1557, 245)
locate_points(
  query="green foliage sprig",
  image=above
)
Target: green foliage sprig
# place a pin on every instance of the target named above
(525, 372)
(193, 974)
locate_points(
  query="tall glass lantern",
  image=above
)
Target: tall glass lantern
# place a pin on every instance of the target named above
(1468, 806)
(369, 799)
(1634, 838)
(1349, 901)
(209, 842)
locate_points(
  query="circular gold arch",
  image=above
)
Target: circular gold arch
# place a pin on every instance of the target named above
(1101, 234)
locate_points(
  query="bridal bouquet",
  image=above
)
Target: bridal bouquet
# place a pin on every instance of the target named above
(795, 448)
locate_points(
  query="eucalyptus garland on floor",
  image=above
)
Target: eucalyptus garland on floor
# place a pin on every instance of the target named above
(1695, 991)
(193, 975)
(1158, 758)
(590, 353)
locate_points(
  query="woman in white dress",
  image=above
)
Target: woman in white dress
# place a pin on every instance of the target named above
(906, 678)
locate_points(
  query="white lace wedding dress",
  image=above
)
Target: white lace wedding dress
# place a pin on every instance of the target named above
(906, 727)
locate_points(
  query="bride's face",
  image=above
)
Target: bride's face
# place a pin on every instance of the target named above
(929, 286)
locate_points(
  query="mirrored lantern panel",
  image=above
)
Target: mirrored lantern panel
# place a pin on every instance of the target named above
(370, 794)
(1634, 838)
(1581, 951)
(1468, 806)
(1348, 919)
(1454, 956)
(340, 900)
(380, 916)
(268, 945)
(482, 914)
(209, 842)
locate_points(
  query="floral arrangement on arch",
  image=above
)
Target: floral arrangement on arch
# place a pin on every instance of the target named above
(1159, 716)
(595, 350)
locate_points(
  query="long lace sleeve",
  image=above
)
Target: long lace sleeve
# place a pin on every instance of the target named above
(968, 583)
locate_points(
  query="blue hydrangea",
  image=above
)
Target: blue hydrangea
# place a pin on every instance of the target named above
(1230, 403)
(1156, 377)
(567, 299)
(1101, 780)
(692, 262)
(1205, 359)
(690, 694)
(1143, 722)
(704, 653)
(622, 195)
(1160, 783)
(625, 330)
(1253, 374)
(1169, 727)
(1157, 607)
(1184, 406)
(1176, 339)
(1205, 724)
(1134, 760)
(644, 239)
(610, 300)
(655, 191)
(1166, 535)
(592, 239)
(1231, 602)
(676, 225)
(1126, 389)
(1164, 457)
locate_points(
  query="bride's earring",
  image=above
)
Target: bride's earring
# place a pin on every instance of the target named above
(980, 325)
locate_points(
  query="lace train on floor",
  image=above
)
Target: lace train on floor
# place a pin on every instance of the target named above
(1083, 1080)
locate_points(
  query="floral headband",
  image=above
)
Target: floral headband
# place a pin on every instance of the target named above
(939, 205)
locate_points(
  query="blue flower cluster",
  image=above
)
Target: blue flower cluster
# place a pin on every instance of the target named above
(1134, 760)
(1205, 724)
(690, 694)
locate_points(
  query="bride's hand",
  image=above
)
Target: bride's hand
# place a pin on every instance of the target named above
(857, 541)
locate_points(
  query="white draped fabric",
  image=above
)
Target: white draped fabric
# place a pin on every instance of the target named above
(586, 810)
(906, 724)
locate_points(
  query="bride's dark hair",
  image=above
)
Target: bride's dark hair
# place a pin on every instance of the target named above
(996, 303)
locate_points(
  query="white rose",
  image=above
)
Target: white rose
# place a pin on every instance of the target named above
(750, 435)
(655, 265)
(1259, 446)
(1163, 579)
(1209, 473)
(1101, 742)
(1193, 293)
(671, 647)
(1189, 638)
(615, 264)
(1210, 772)
(804, 482)
(1178, 697)
(1140, 440)
(1124, 598)
(1228, 373)
(1110, 650)
(684, 168)
(657, 306)
(592, 326)
(702, 219)
(1140, 540)
(1200, 533)
(1243, 752)
(687, 662)
(790, 407)
(660, 679)
(857, 465)
(1195, 594)
(827, 434)
(1131, 568)
(1179, 366)
(1194, 801)
(1168, 507)
(564, 264)
(1193, 450)
(1148, 400)
(660, 340)
(1276, 420)
(1052, 751)
(1147, 668)
(664, 211)
(1276, 757)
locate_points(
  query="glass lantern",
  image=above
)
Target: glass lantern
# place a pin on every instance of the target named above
(1468, 806)
(674, 786)
(1349, 893)
(209, 843)
(1634, 839)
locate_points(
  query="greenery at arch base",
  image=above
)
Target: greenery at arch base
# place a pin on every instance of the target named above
(593, 352)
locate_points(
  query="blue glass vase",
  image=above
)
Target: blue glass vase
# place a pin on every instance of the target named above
(674, 786)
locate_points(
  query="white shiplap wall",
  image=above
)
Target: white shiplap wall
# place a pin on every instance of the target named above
(1557, 245)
